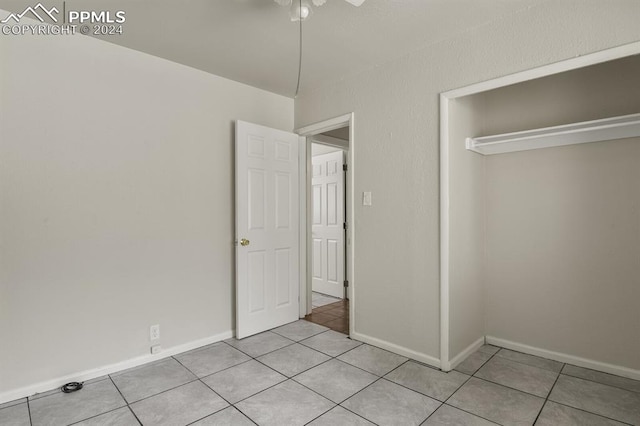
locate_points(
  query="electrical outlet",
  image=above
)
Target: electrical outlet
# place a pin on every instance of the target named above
(154, 332)
(155, 349)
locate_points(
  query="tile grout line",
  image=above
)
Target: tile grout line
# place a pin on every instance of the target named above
(481, 365)
(512, 388)
(576, 408)
(276, 371)
(546, 399)
(227, 401)
(368, 386)
(524, 363)
(108, 411)
(246, 415)
(361, 390)
(248, 354)
(465, 382)
(57, 390)
(344, 408)
(561, 371)
(420, 393)
(211, 414)
(260, 391)
(198, 379)
(161, 392)
(469, 412)
(443, 403)
(353, 412)
(600, 383)
(360, 368)
(124, 399)
(99, 414)
(308, 337)
(297, 374)
(216, 393)
(589, 412)
(548, 394)
(29, 411)
(134, 414)
(503, 385)
(330, 358)
(220, 371)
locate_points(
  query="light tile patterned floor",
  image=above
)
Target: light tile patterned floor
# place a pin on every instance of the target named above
(303, 373)
(319, 299)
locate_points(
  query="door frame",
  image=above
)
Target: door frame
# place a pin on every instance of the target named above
(305, 134)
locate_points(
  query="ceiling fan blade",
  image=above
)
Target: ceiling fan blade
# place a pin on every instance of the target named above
(355, 2)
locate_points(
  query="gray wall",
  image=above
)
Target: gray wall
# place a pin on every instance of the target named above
(116, 203)
(319, 149)
(396, 149)
(467, 240)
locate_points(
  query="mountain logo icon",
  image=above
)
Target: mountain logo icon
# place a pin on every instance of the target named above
(34, 11)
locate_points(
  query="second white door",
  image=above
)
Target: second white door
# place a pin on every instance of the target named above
(327, 198)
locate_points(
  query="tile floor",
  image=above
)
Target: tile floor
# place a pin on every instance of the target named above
(330, 312)
(319, 299)
(304, 373)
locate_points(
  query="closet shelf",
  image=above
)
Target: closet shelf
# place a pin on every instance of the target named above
(626, 126)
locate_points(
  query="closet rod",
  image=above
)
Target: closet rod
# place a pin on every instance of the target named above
(626, 126)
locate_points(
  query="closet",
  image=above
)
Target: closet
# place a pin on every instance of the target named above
(544, 218)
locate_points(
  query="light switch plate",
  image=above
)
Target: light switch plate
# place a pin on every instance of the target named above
(366, 198)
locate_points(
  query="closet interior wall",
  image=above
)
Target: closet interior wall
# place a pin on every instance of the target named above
(467, 313)
(563, 224)
(559, 262)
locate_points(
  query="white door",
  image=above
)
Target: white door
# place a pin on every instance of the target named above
(267, 232)
(327, 231)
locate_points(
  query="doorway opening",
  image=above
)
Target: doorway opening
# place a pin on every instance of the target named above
(328, 230)
(327, 293)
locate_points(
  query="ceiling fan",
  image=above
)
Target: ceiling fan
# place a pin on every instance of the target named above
(301, 9)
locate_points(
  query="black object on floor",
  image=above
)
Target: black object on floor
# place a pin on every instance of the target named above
(71, 387)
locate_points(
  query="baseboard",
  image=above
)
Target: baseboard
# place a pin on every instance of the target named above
(397, 349)
(569, 359)
(453, 363)
(111, 368)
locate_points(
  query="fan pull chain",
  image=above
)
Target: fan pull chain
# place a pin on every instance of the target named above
(300, 52)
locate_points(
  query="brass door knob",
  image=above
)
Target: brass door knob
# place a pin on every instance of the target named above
(244, 242)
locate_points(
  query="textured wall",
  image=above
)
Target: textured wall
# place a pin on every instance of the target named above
(116, 203)
(467, 218)
(396, 148)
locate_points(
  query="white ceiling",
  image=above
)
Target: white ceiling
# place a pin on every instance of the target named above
(254, 42)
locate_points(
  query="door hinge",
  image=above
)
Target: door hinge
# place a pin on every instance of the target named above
(345, 167)
(345, 226)
(346, 284)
